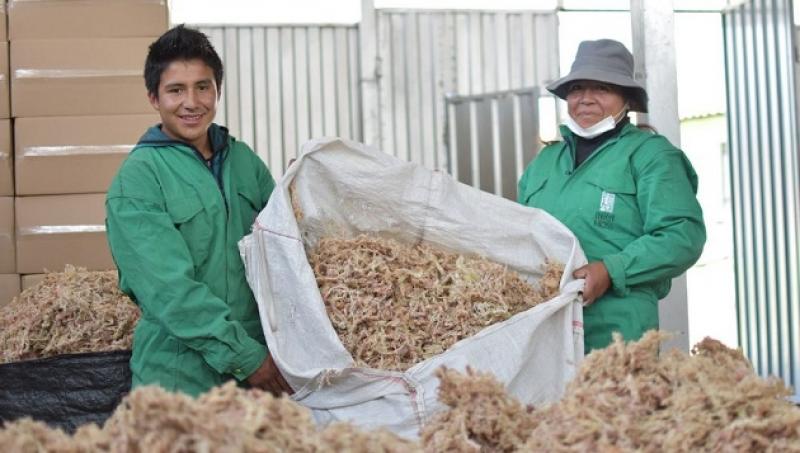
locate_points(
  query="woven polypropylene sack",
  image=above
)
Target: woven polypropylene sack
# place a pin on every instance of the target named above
(65, 391)
(346, 188)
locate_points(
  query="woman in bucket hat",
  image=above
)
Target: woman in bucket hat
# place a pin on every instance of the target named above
(627, 194)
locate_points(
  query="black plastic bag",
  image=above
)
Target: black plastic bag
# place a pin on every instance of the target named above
(65, 391)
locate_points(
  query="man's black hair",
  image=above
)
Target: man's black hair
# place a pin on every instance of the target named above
(179, 44)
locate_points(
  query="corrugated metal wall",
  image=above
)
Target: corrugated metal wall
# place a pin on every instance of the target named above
(285, 84)
(763, 136)
(426, 54)
(492, 137)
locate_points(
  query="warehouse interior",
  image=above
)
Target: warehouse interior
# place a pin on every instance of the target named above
(456, 88)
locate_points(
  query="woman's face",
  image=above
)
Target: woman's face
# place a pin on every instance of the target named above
(588, 102)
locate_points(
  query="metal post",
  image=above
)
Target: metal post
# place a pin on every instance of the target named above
(652, 24)
(369, 71)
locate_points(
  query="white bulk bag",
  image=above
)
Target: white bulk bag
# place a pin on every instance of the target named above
(346, 188)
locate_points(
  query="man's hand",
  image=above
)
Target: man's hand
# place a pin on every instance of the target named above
(597, 281)
(268, 377)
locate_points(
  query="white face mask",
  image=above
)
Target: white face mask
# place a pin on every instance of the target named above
(606, 124)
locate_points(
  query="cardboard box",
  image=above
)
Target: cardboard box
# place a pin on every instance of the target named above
(5, 85)
(3, 21)
(79, 77)
(49, 19)
(30, 280)
(76, 154)
(9, 288)
(7, 243)
(6, 160)
(53, 231)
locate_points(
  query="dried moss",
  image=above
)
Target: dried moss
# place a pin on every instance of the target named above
(226, 419)
(394, 305)
(481, 415)
(73, 311)
(627, 397)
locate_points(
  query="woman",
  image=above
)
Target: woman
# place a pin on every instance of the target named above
(628, 195)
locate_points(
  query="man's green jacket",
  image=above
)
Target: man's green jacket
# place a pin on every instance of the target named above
(632, 205)
(173, 222)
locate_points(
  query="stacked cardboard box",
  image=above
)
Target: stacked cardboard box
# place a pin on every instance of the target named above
(9, 278)
(56, 230)
(29, 280)
(6, 157)
(9, 287)
(78, 105)
(57, 19)
(73, 154)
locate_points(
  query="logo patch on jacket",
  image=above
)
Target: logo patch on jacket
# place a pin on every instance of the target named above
(605, 215)
(607, 202)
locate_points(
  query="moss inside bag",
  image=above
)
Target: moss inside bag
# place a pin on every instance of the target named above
(467, 259)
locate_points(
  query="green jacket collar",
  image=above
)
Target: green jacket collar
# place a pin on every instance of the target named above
(154, 136)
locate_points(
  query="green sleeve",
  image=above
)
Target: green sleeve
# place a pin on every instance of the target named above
(674, 232)
(155, 263)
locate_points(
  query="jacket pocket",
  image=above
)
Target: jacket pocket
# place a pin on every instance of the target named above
(617, 180)
(616, 209)
(192, 221)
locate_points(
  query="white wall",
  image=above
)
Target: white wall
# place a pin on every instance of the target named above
(712, 297)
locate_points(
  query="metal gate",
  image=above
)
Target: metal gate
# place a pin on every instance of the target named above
(491, 138)
(763, 137)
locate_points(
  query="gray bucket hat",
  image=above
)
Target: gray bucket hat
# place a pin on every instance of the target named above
(604, 60)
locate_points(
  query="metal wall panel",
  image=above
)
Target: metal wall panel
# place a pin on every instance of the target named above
(424, 55)
(491, 137)
(285, 84)
(763, 138)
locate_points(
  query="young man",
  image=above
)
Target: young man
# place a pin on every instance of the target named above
(175, 211)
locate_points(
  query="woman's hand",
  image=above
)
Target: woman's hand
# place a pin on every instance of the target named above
(597, 281)
(268, 377)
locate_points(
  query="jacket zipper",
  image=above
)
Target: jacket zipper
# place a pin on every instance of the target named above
(209, 166)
